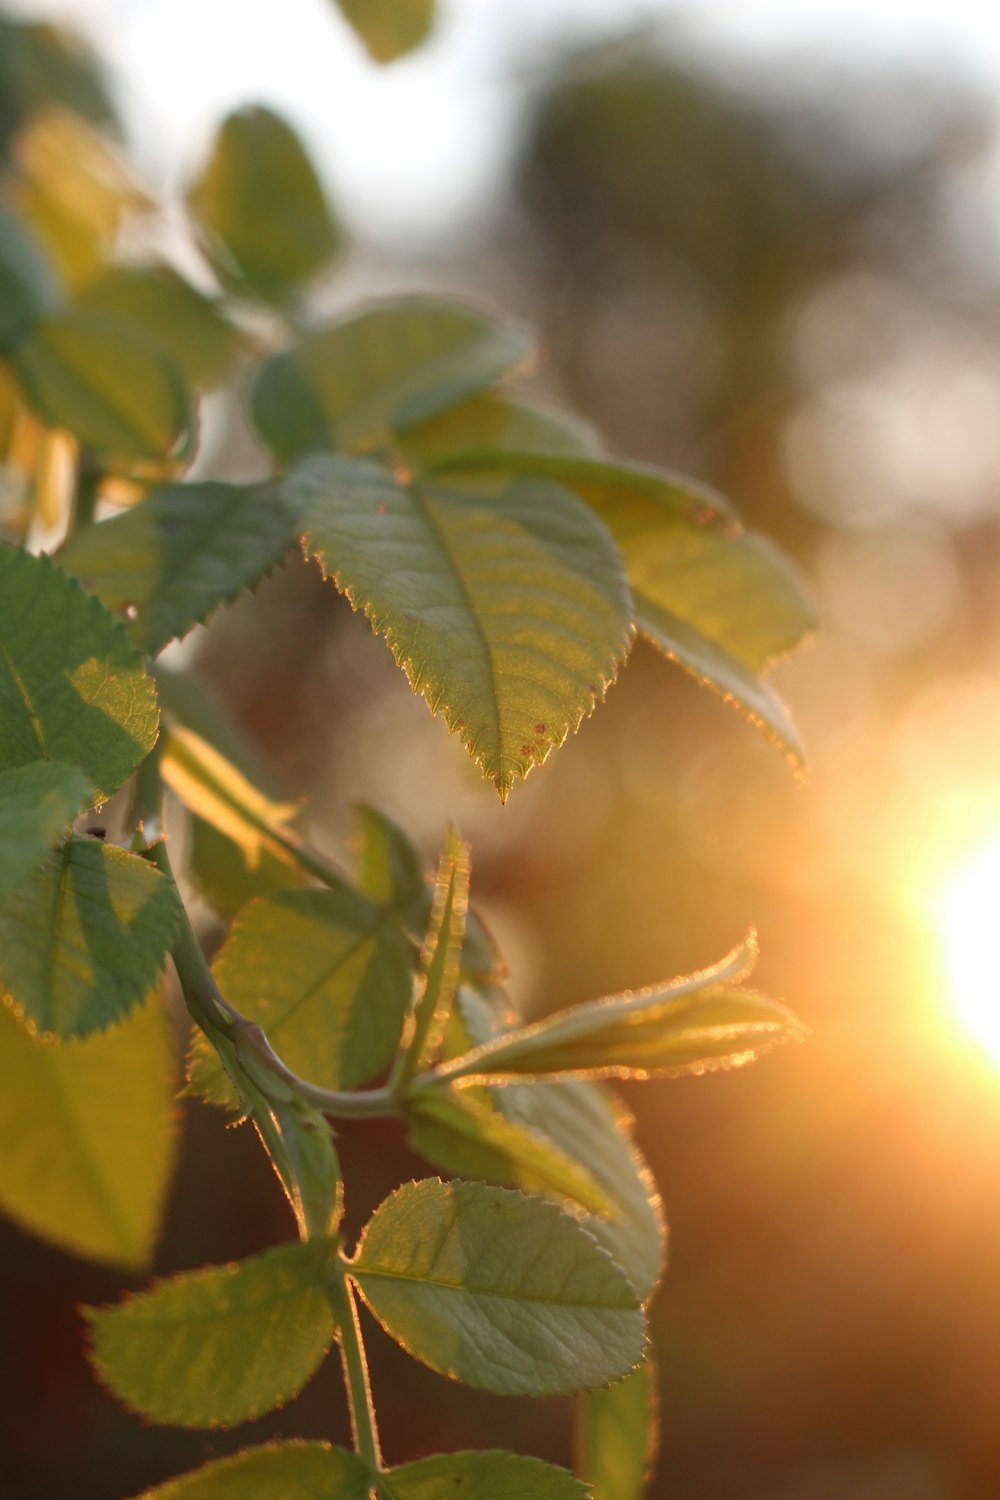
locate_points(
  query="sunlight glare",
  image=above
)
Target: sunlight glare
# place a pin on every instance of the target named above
(970, 907)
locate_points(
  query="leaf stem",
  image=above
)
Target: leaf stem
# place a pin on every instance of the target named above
(364, 1428)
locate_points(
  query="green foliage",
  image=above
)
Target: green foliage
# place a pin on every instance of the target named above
(84, 937)
(617, 1435)
(172, 559)
(351, 387)
(93, 374)
(389, 28)
(89, 1135)
(258, 158)
(509, 614)
(214, 1347)
(72, 688)
(502, 1291)
(509, 563)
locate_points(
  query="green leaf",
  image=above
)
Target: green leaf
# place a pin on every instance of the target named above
(37, 803)
(510, 614)
(292, 1470)
(617, 1435)
(390, 867)
(120, 396)
(440, 957)
(690, 1025)
(389, 28)
(213, 789)
(163, 307)
(89, 1136)
(592, 1125)
(222, 876)
(39, 64)
(72, 687)
(721, 602)
(505, 1292)
(327, 976)
(584, 1123)
(468, 1137)
(352, 385)
(480, 1475)
(28, 285)
(84, 937)
(215, 1347)
(260, 210)
(176, 556)
(497, 420)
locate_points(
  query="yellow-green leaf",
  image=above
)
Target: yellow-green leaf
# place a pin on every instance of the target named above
(352, 385)
(691, 1025)
(263, 219)
(326, 974)
(120, 396)
(293, 1470)
(165, 308)
(618, 1435)
(89, 1135)
(37, 803)
(72, 687)
(469, 1138)
(497, 420)
(28, 285)
(215, 1347)
(721, 602)
(180, 553)
(389, 28)
(502, 1291)
(483, 1474)
(510, 614)
(213, 789)
(84, 937)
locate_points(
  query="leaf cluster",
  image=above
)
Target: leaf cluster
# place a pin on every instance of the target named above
(509, 562)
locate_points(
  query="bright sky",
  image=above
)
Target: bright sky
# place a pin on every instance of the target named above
(406, 148)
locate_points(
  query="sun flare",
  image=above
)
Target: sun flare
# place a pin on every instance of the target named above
(970, 918)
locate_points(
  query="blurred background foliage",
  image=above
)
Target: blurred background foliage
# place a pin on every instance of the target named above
(781, 278)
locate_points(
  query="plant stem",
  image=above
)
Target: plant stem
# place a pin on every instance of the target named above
(87, 485)
(206, 1003)
(364, 1428)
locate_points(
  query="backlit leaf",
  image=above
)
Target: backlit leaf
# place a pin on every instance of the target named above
(469, 1138)
(480, 1475)
(260, 210)
(589, 1126)
(389, 28)
(164, 307)
(74, 189)
(169, 561)
(211, 1348)
(497, 420)
(440, 956)
(327, 976)
(37, 803)
(39, 63)
(689, 1025)
(617, 1435)
(105, 383)
(350, 386)
(88, 1135)
(72, 687)
(212, 788)
(390, 866)
(509, 614)
(720, 601)
(277, 1471)
(28, 285)
(84, 936)
(505, 1292)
